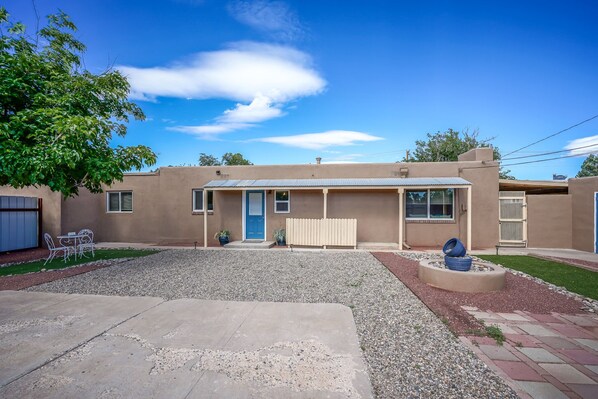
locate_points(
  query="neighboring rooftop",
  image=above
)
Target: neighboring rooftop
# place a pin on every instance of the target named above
(535, 186)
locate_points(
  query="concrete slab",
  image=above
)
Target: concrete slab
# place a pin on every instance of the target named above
(541, 390)
(249, 244)
(195, 348)
(566, 373)
(36, 328)
(540, 355)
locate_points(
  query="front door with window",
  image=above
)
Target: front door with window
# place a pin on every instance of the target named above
(254, 215)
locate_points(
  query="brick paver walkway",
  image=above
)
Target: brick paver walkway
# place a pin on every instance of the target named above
(544, 356)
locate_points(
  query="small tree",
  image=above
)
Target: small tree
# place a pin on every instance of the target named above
(234, 159)
(448, 145)
(56, 118)
(208, 160)
(228, 159)
(589, 167)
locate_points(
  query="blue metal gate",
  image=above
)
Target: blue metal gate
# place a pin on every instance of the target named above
(20, 223)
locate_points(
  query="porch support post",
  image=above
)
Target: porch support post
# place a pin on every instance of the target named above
(205, 218)
(401, 217)
(325, 191)
(469, 218)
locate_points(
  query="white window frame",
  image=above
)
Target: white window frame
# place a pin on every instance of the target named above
(194, 205)
(428, 204)
(288, 201)
(120, 201)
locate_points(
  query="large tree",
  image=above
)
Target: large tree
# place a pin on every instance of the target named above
(56, 118)
(447, 146)
(227, 159)
(589, 167)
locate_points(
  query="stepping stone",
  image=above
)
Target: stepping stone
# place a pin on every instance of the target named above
(469, 308)
(522, 339)
(513, 317)
(586, 391)
(540, 355)
(485, 315)
(559, 343)
(504, 328)
(570, 331)
(537, 330)
(498, 353)
(518, 371)
(566, 373)
(541, 390)
(544, 318)
(581, 356)
(593, 368)
(590, 343)
(580, 320)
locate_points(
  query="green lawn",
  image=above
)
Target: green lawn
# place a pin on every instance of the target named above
(57, 263)
(575, 279)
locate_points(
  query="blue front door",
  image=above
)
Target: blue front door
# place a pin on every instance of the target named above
(254, 215)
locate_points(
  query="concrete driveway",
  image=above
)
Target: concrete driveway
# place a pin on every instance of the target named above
(92, 346)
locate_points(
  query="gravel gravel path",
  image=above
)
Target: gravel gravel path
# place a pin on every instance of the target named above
(409, 351)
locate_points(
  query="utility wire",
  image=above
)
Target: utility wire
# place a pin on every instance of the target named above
(552, 135)
(549, 153)
(548, 159)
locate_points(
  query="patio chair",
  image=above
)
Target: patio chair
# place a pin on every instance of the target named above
(66, 250)
(86, 242)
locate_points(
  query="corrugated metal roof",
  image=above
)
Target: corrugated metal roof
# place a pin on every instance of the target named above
(368, 182)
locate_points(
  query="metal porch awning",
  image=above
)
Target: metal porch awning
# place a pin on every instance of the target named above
(363, 183)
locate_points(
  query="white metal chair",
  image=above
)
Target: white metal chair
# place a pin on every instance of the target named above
(66, 250)
(86, 242)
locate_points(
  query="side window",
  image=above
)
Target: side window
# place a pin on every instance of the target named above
(198, 200)
(282, 201)
(119, 201)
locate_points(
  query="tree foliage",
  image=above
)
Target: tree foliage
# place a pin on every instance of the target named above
(57, 118)
(447, 146)
(227, 159)
(589, 167)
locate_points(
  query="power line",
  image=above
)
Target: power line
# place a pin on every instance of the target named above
(552, 135)
(549, 153)
(549, 159)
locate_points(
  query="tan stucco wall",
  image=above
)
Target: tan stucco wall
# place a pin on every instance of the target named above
(549, 221)
(162, 204)
(582, 193)
(51, 210)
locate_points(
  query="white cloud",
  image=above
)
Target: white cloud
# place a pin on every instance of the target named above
(583, 146)
(240, 72)
(319, 141)
(260, 109)
(208, 132)
(273, 17)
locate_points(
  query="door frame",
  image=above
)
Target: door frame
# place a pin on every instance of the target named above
(244, 210)
(507, 195)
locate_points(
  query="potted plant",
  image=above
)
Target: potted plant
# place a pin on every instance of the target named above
(223, 236)
(280, 236)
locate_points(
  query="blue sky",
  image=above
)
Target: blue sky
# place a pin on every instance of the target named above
(351, 81)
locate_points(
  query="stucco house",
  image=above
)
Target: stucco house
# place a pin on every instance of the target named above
(410, 204)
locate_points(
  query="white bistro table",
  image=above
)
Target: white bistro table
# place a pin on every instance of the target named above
(66, 240)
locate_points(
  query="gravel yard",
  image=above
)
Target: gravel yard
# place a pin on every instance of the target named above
(409, 351)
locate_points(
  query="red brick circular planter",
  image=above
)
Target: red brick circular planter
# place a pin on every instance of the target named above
(462, 281)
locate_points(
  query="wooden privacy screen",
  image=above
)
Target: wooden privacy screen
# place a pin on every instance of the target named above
(322, 232)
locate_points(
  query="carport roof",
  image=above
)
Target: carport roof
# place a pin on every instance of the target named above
(339, 183)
